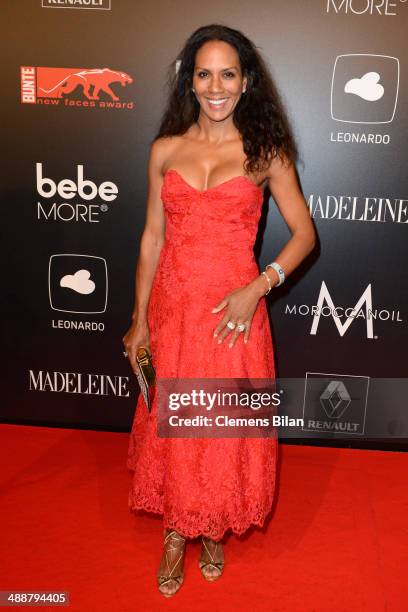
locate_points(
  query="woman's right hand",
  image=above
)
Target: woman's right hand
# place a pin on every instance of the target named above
(137, 335)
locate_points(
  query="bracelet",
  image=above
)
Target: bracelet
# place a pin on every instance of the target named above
(269, 282)
(279, 272)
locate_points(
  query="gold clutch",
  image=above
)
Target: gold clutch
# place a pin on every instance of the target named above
(145, 373)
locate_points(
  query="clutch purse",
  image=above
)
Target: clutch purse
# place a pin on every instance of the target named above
(145, 373)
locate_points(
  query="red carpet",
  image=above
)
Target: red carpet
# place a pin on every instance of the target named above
(336, 540)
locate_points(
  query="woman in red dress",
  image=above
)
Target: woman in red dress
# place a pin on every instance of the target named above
(199, 298)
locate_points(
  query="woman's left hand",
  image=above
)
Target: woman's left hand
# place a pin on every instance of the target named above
(241, 305)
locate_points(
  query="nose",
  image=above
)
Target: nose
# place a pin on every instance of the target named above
(215, 85)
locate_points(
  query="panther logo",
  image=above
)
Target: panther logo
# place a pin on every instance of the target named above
(99, 78)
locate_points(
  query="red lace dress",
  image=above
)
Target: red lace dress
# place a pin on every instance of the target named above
(204, 485)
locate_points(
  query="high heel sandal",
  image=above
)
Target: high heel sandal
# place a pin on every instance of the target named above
(218, 565)
(163, 579)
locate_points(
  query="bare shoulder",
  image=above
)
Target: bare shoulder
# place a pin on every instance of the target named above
(280, 166)
(162, 149)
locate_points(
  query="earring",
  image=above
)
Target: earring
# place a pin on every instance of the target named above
(244, 91)
(192, 89)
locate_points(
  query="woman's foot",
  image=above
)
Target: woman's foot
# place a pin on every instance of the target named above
(211, 561)
(170, 574)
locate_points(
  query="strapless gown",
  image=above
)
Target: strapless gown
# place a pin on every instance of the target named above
(204, 485)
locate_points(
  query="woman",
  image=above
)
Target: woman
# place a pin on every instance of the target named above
(199, 303)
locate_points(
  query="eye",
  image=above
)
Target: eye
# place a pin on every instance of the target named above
(228, 74)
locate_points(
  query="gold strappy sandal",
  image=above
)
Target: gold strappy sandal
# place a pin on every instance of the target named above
(218, 565)
(172, 537)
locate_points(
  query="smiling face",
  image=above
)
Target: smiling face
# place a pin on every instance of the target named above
(217, 79)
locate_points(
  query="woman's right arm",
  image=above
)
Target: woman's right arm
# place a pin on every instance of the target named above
(151, 243)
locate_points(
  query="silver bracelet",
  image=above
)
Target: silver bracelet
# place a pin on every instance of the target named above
(278, 270)
(269, 282)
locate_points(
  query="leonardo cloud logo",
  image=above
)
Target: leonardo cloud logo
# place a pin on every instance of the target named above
(95, 87)
(365, 88)
(78, 283)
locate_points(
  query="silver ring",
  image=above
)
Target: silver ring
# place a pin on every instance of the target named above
(231, 325)
(125, 354)
(241, 327)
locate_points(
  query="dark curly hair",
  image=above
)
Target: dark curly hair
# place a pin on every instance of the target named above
(259, 115)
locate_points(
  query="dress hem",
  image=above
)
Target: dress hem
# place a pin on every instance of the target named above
(195, 533)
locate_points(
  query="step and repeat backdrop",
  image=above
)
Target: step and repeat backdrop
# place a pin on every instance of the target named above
(83, 91)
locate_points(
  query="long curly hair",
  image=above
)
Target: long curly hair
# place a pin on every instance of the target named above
(259, 115)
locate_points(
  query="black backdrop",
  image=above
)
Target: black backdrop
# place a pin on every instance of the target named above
(341, 69)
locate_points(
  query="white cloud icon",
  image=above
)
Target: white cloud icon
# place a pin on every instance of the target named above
(79, 282)
(367, 87)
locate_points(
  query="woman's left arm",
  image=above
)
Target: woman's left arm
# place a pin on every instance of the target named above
(241, 303)
(285, 190)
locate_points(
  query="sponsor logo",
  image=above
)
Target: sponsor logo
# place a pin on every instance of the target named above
(78, 283)
(104, 5)
(335, 403)
(78, 383)
(387, 8)
(363, 309)
(74, 87)
(364, 88)
(87, 210)
(354, 208)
